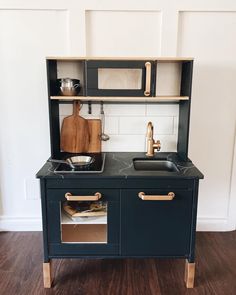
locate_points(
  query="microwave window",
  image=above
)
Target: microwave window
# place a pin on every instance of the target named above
(109, 78)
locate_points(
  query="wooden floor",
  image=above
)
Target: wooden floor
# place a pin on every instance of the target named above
(21, 270)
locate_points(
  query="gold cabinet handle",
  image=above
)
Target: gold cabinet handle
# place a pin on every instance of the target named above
(147, 91)
(95, 197)
(169, 197)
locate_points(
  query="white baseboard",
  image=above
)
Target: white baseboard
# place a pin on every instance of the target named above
(9, 223)
(214, 224)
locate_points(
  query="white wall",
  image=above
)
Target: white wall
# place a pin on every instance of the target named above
(31, 31)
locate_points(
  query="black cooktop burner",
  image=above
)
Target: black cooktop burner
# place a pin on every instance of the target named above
(96, 167)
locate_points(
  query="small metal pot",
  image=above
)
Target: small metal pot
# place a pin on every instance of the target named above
(75, 161)
(69, 87)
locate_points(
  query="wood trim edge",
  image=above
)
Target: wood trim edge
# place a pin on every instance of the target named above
(189, 274)
(47, 278)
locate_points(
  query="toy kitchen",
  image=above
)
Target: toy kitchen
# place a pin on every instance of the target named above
(100, 204)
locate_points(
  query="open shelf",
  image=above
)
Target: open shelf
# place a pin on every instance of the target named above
(120, 98)
(168, 78)
(83, 220)
(84, 233)
(61, 69)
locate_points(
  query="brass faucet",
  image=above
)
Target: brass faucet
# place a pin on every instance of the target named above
(151, 144)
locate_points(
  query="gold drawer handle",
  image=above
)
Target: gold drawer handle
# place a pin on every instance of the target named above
(95, 197)
(147, 91)
(169, 197)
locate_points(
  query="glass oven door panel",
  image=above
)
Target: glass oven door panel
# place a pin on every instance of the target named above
(87, 227)
(84, 222)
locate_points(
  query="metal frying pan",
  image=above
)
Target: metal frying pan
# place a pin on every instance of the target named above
(75, 161)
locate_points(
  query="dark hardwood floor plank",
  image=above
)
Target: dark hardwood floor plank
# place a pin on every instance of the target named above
(21, 260)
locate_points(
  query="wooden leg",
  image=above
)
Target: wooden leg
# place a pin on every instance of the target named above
(47, 278)
(185, 271)
(189, 274)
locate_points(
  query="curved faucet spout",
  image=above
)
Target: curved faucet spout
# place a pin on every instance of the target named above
(150, 130)
(151, 144)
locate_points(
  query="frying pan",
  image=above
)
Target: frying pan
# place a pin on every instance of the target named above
(75, 161)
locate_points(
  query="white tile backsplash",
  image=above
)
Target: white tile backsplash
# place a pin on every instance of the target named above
(162, 109)
(126, 124)
(66, 109)
(95, 110)
(168, 142)
(124, 143)
(137, 143)
(125, 109)
(138, 125)
(112, 125)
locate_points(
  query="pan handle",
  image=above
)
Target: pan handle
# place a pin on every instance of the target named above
(58, 161)
(67, 162)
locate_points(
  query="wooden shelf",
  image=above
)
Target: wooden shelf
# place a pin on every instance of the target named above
(83, 220)
(171, 98)
(120, 99)
(84, 233)
(158, 59)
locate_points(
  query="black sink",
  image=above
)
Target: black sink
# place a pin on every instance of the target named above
(154, 165)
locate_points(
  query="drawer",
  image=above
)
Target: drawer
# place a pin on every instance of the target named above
(119, 183)
(76, 226)
(59, 194)
(157, 226)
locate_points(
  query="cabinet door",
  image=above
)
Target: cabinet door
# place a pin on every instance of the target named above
(74, 231)
(156, 227)
(120, 78)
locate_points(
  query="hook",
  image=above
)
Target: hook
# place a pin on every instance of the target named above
(90, 107)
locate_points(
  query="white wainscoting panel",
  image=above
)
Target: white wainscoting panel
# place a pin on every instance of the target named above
(210, 38)
(26, 38)
(30, 31)
(122, 33)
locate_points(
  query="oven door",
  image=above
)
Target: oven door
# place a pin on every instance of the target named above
(120, 78)
(83, 222)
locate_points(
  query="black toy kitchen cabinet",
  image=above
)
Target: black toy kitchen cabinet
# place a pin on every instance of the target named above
(146, 213)
(145, 218)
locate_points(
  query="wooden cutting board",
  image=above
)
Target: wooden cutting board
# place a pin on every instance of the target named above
(95, 130)
(75, 132)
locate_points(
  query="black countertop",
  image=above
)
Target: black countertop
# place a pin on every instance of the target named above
(120, 165)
